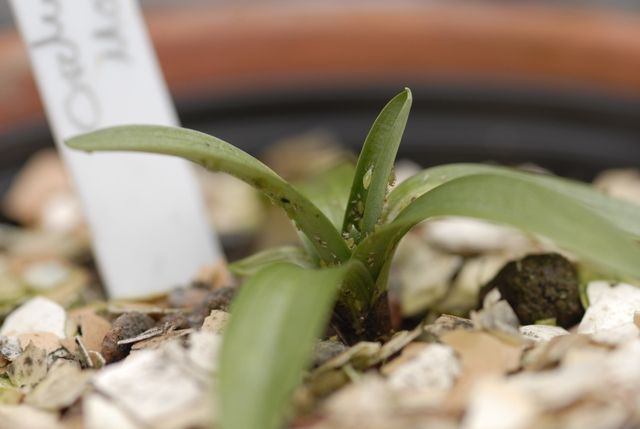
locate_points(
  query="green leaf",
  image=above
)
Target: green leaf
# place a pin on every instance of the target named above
(329, 191)
(252, 264)
(276, 318)
(375, 167)
(624, 215)
(532, 207)
(217, 155)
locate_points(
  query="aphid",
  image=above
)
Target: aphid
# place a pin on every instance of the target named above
(392, 178)
(320, 241)
(366, 179)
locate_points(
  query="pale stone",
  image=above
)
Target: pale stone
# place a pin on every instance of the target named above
(420, 288)
(39, 314)
(465, 235)
(29, 368)
(43, 340)
(62, 386)
(436, 366)
(618, 335)
(610, 316)
(45, 275)
(204, 349)
(368, 398)
(101, 413)
(26, 417)
(216, 322)
(10, 347)
(41, 177)
(62, 213)
(622, 366)
(494, 404)
(475, 273)
(496, 316)
(563, 386)
(620, 183)
(540, 333)
(149, 385)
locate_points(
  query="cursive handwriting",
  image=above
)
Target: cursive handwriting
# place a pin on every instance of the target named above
(81, 103)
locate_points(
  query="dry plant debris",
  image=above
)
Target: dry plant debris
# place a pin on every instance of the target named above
(483, 372)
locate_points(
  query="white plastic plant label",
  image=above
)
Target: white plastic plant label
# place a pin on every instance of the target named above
(95, 67)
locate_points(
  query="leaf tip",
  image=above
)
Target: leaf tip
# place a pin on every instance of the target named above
(408, 94)
(76, 143)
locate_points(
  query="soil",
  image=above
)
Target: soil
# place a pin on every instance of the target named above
(540, 288)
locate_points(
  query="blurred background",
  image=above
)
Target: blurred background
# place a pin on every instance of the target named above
(553, 83)
(549, 85)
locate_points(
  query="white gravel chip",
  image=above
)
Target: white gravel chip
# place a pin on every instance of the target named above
(204, 350)
(434, 367)
(495, 404)
(46, 275)
(466, 235)
(101, 413)
(39, 314)
(610, 317)
(149, 386)
(10, 348)
(540, 333)
(359, 403)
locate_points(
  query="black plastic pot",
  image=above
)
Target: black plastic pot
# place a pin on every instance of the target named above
(571, 133)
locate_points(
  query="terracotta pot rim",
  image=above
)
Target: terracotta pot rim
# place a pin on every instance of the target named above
(207, 49)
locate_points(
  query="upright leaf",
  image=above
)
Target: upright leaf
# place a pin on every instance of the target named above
(533, 207)
(375, 167)
(217, 155)
(275, 320)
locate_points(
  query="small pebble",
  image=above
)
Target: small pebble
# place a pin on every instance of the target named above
(539, 333)
(126, 326)
(434, 367)
(217, 299)
(39, 314)
(216, 322)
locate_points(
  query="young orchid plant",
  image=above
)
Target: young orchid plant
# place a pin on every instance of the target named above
(341, 272)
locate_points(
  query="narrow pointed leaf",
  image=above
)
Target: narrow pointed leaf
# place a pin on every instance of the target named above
(375, 166)
(624, 215)
(275, 320)
(521, 203)
(217, 155)
(329, 191)
(252, 264)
